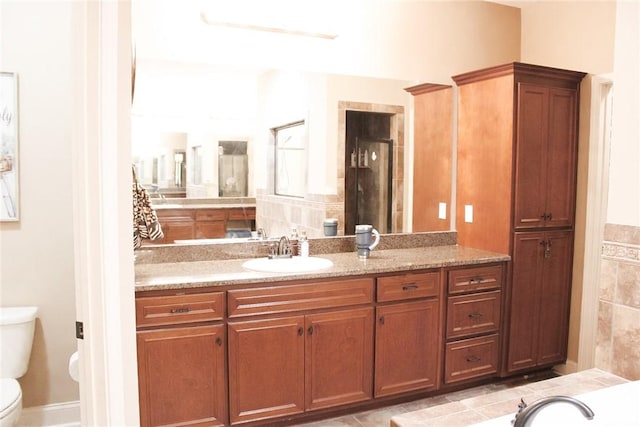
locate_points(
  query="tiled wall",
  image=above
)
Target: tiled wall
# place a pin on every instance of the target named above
(618, 339)
(277, 214)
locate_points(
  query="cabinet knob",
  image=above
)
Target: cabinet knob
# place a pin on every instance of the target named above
(300, 331)
(381, 320)
(310, 330)
(219, 342)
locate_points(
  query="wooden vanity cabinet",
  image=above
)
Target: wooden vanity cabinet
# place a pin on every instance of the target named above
(198, 223)
(181, 360)
(540, 292)
(474, 302)
(517, 171)
(407, 345)
(210, 223)
(177, 224)
(286, 357)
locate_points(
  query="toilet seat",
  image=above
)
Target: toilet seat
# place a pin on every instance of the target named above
(10, 399)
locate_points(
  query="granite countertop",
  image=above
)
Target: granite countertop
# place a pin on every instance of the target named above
(194, 274)
(173, 205)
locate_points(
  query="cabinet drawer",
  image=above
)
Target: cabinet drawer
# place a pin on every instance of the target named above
(280, 299)
(408, 286)
(175, 215)
(210, 215)
(473, 314)
(178, 309)
(475, 279)
(471, 358)
(210, 230)
(241, 214)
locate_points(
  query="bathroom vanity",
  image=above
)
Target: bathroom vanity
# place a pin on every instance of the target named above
(221, 345)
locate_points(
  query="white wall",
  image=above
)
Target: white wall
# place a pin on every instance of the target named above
(36, 254)
(624, 179)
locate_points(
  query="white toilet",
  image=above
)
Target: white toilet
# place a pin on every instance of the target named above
(17, 325)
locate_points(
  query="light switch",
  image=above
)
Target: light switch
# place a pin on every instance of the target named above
(442, 210)
(468, 213)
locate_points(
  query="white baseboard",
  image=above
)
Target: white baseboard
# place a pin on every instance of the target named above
(57, 414)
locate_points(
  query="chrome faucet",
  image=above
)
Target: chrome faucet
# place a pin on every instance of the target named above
(262, 234)
(281, 249)
(526, 413)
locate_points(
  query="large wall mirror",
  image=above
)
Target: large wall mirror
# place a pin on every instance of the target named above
(215, 79)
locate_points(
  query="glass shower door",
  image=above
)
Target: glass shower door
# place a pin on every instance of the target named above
(371, 166)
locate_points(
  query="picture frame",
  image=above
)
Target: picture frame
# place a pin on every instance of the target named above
(9, 148)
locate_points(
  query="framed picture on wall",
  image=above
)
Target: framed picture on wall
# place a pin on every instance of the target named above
(9, 176)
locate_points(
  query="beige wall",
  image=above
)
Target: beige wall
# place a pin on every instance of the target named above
(618, 338)
(577, 36)
(36, 254)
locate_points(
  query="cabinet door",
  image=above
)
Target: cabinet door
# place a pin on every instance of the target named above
(266, 368)
(339, 358)
(210, 229)
(407, 347)
(531, 153)
(524, 299)
(539, 299)
(546, 156)
(177, 224)
(561, 157)
(555, 298)
(181, 375)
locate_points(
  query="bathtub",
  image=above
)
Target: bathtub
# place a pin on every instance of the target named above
(615, 406)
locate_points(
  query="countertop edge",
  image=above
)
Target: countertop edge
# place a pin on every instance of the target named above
(207, 274)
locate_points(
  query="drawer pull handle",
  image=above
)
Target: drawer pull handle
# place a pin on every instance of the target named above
(410, 287)
(472, 359)
(475, 315)
(180, 310)
(476, 280)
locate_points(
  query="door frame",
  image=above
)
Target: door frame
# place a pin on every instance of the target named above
(102, 216)
(596, 214)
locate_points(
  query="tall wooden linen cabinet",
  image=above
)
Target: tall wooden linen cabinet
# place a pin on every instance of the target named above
(516, 186)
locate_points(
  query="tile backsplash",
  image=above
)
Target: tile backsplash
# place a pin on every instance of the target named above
(618, 339)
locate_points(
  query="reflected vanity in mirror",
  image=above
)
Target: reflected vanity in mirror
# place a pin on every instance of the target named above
(208, 184)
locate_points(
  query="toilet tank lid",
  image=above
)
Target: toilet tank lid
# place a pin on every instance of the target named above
(12, 315)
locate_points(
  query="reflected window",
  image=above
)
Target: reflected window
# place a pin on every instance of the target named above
(290, 159)
(179, 168)
(197, 165)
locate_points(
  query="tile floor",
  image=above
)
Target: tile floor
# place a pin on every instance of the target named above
(382, 417)
(475, 404)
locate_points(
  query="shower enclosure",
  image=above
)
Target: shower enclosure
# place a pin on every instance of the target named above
(368, 171)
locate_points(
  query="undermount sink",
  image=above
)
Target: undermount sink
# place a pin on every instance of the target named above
(296, 264)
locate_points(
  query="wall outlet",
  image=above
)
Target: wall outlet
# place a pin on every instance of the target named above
(468, 213)
(442, 210)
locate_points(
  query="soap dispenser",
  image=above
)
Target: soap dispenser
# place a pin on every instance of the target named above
(294, 242)
(304, 244)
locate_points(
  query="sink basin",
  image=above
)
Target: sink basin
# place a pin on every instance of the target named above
(296, 264)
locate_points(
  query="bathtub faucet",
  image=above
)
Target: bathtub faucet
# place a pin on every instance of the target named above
(526, 413)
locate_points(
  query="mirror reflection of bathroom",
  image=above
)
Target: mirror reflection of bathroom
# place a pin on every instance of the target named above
(232, 168)
(368, 176)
